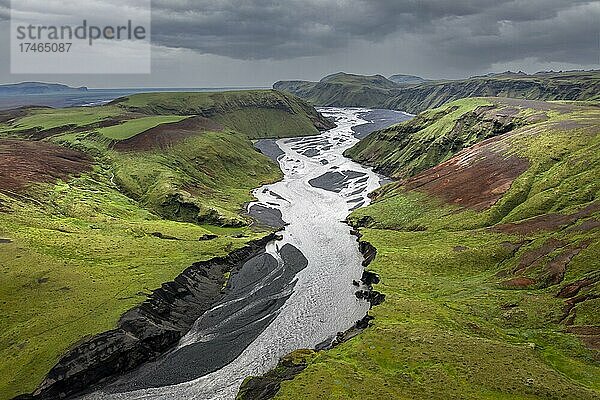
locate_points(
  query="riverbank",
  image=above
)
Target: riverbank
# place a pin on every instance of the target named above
(491, 288)
(99, 206)
(266, 387)
(150, 329)
(309, 312)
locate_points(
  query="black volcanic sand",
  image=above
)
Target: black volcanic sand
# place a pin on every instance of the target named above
(335, 181)
(358, 191)
(269, 148)
(359, 205)
(267, 216)
(312, 147)
(378, 119)
(311, 152)
(228, 329)
(272, 193)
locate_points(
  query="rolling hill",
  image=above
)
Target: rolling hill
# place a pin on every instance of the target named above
(347, 90)
(100, 206)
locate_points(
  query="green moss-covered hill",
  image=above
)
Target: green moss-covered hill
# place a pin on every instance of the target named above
(489, 261)
(343, 90)
(347, 90)
(101, 205)
(436, 135)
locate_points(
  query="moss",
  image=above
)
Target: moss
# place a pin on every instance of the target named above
(432, 137)
(77, 263)
(449, 328)
(84, 251)
(255, 113)
(45, 118)
(136, 126)
(446, 330)
(204, 179)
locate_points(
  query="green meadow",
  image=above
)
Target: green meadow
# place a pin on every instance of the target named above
(451, 326)
(79, 252)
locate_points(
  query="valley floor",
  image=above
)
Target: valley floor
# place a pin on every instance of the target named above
(491, 277)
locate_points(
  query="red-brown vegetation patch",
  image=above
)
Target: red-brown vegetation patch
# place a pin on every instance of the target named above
(475, 178)
(546, 222)
(11, 115)
(40, 134)
(589, 335)
(520, 282)
(586, 225)
(573, 289)
(555, 269)
(584, 330)
(23, 163)
(531, 258)
(166, 135)
(550, 271)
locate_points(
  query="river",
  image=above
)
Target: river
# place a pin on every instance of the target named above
(299, 294)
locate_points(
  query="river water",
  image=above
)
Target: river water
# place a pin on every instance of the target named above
(303, 292)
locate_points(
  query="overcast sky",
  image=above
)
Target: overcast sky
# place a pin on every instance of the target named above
(216, 43)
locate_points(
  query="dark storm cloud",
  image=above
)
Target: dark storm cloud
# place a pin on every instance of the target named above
(465, 32)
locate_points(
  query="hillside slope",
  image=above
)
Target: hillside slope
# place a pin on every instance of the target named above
(99, 206)
(489, 262)
(435, 135)
(255, 113)
(343, 90)
(407, 79)
(574, 85)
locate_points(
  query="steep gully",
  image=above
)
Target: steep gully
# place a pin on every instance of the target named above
(298, 291)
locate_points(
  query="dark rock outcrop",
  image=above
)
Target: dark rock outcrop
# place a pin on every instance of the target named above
(148, 330)
(208, 236)
(266, 386)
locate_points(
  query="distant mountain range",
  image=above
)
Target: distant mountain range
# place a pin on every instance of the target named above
(26, 88)
(414, 94)
(407, 79)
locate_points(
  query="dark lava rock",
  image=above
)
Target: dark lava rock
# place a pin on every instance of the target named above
(267, 216)
(311, 152)
(161, 236)
(266, 386)
(251, 301)
(208, 236)
(335, 181)
(378, 119)
(146, 331)
(370, 278)
(372, 296)
(269, 148)
(369, 252)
